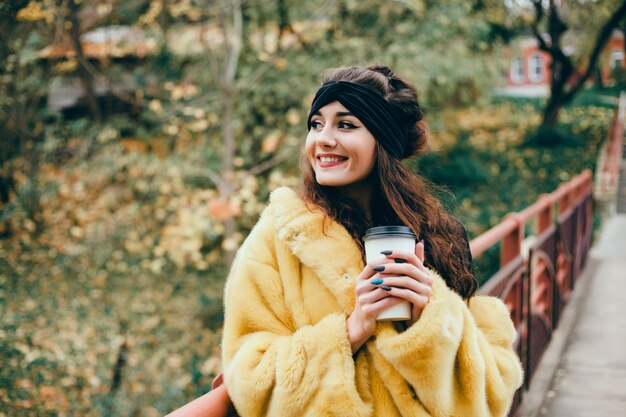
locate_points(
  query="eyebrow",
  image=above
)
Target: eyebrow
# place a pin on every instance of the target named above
(339, 113)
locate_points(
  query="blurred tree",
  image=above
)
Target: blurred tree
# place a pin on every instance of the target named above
(234, 79)
(233, 32)
(23, 88)
(8, 21)
(449, 49)
(549, 27)
(139, 214)
(86, 71)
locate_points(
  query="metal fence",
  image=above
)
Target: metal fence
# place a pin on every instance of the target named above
(536, 283)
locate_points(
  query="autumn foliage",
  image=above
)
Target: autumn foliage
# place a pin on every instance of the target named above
(115, 230)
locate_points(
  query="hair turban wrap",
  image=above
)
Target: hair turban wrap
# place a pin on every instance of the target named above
(380, 117)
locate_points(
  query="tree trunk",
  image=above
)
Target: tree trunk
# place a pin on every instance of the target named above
(562, 66)
(8, 12)
(552, 111)
(284, 24)
(597, 78)
(228, 174)
(84, 73)
(228, 107)
(561, 73)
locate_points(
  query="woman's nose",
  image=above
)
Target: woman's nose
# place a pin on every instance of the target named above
(326, 138)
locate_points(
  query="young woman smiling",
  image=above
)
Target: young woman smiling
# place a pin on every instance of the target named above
(300, 333)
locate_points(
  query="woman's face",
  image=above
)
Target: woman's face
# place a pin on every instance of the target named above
(340, 148)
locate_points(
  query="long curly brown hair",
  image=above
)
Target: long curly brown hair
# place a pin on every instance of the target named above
(400, 196)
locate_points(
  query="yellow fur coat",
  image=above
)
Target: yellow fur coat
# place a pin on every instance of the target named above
(285, 345)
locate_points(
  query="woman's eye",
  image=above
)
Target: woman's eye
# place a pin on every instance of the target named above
(346, 125)
(315, 124)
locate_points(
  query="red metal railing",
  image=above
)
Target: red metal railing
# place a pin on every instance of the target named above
(535, 283)
(611, 154)
(538, 274)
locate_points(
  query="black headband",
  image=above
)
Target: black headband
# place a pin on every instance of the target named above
(380, 117)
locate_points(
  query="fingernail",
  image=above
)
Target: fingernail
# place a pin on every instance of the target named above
(400, 261)
(376, 281)
(386, 252)
(379, 268)
(386, 288)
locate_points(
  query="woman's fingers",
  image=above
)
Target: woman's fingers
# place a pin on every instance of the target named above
(391, 279)
(372, 294)
(384, 286)
(369, 269)
(419, 251)
(419, 301)
(377, 307)
(403, 257)
(403, 282)
(407, 269)
(375, 300)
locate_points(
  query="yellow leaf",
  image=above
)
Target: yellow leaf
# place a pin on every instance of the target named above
(33, 12)
(222, 209)
(293, 117)
(281, 64)
(271, 142)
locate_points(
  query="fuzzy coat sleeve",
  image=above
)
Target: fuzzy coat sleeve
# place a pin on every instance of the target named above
(458, 360)
(272, 368)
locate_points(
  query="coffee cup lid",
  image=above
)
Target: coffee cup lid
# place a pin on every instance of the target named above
(386, 231)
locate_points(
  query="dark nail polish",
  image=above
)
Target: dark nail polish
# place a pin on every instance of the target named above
(376, 281)
(386, 252)
(400, 261)
(386, 288)
(379, 268)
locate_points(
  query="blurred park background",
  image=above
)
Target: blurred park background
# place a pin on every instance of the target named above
(140, 139)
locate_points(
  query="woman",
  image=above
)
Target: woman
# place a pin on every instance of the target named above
(300, 331)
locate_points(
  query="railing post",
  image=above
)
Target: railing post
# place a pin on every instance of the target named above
(545, 218)
(512, 243)
(564, 201)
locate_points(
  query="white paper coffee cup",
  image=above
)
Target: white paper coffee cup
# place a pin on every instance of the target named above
(393, 238)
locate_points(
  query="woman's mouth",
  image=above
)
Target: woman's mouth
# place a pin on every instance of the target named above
(330, 161)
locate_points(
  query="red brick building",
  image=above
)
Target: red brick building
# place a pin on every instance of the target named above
(528, 72)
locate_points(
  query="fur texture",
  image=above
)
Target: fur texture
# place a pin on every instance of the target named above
(285, 345)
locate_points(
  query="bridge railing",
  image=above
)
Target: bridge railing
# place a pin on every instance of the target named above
(537, 274)
(611, 155)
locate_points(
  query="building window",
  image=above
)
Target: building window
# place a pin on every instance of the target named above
(535, 68)
(517, 70)
(617, 59)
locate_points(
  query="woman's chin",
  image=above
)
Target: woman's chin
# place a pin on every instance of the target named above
(330, 182)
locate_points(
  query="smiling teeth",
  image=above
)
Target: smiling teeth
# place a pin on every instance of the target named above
(326, 159)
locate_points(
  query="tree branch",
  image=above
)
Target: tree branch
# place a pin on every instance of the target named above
(213, 176)
(539, 15)
(258, 73)
(269, 164)
(604, 35)
(556, 25)
(84, 71)
(235, 44)
(556, 29)
(118, 369)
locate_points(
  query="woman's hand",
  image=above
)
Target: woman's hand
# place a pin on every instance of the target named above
(408, 278)
(383, 283)
(371, 300)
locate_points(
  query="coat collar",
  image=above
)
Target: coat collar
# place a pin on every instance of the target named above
(320, 243)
